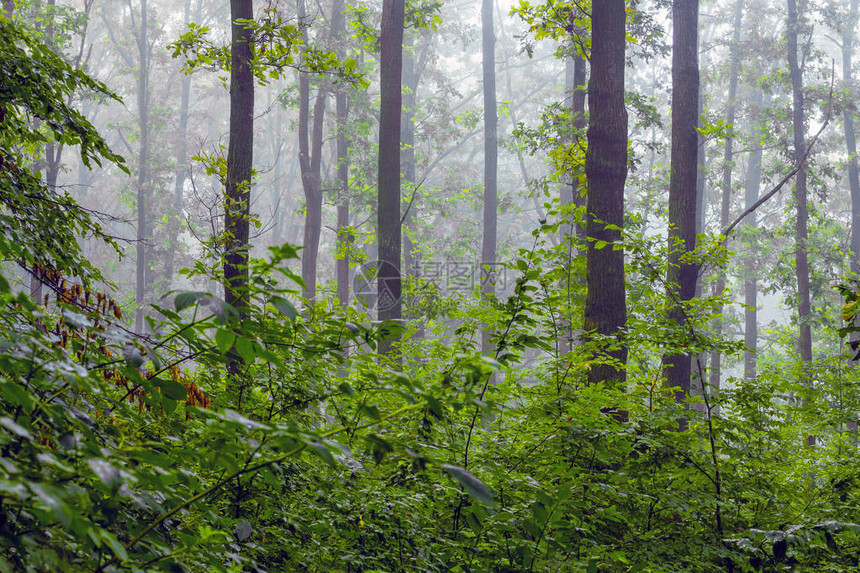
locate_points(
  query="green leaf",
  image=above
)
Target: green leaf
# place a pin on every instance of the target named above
(245, 348)
(13, 427)
(224, 340)
(188, 298)
(285, 306)
(472, 485)
(379, 447)
(243, 530)
(114, 544)
(106, 472)
(323, 452)
(172, 389)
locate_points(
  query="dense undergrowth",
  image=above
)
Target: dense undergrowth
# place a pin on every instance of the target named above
(282, 441)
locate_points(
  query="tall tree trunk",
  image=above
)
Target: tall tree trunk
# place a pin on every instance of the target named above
(804, 342)
(681, 277)
(804, 339)
(142, 168)
(571, 197)
(53, 154)
(181, 172)
(851, 143)
(728, 166)
(341, 271)
(850, 137)
(491, 160)
(605, 313)
(407, 149)
(310, 157)
(240, 155)
(389, 304)
(751, 195)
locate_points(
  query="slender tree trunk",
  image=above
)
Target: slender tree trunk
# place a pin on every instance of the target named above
(804, 339)
(53, 153)
(571, 197)
(142, 168)
(389, 304)
(851, 143)
(850, 136)
(9, 6)
(605, 313)
(338, 25)
(728, 166)
(407, 149)
(681, 277)
(182, 171)
(801, 260)
(491, 160)
(310, 157)
(750, 267)
(240, 155)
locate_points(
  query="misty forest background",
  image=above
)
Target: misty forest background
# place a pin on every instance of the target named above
(429, 286)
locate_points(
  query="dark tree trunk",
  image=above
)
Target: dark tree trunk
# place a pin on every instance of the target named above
(389, 304)
(681, 277)
(750, 267)
(341, 271)
(240, 154)
(310, 157)
(142, 169)
(605, 313)
(728, 166)
(491, 159)
(804, 342)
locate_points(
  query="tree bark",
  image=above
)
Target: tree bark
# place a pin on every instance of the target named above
(341, 271)
(491, 159)
(728, 167)
(804, 342)
(240, 154)
(850, 136)
(389, 304)
(142, 169)
(407, 148)
(751, 194)
(682, 276)
(605, 313)
(310, 157)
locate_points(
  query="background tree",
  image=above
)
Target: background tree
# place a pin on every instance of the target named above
(143, 177)
(715, 371)
(804, 340)
(489, 235)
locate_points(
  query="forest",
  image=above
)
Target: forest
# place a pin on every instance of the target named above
(423, 285)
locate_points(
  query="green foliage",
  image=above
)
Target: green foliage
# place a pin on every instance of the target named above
(277, 47)
(37, 223)
(282, 441)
